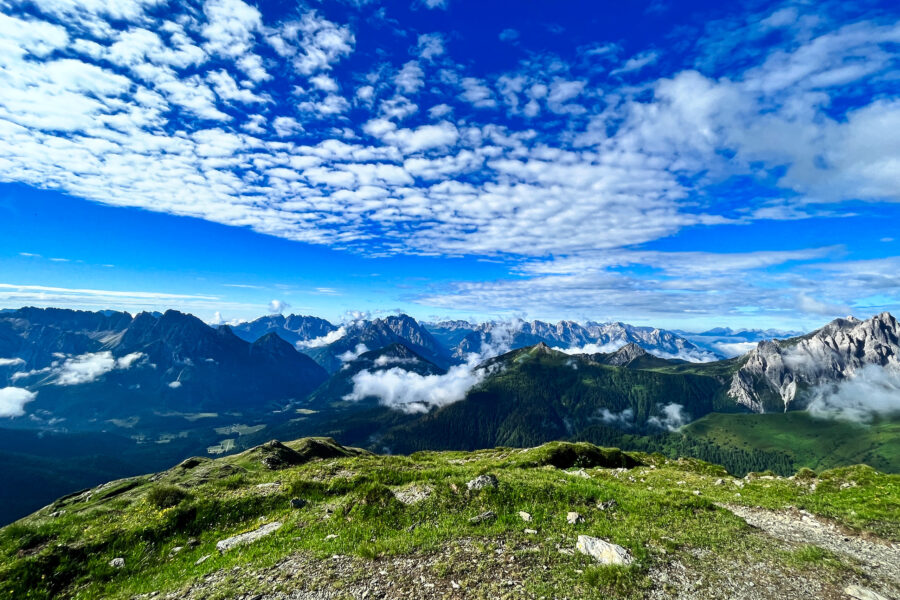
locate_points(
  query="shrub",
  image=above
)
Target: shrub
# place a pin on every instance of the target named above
(166, 496)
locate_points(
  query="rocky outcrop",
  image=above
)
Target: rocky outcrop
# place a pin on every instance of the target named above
(775, 373)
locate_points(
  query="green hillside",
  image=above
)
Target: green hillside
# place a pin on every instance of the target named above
(807, 441)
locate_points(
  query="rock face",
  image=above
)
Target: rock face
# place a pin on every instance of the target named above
(247, 538)
(625, 355)
(774, 373)
(603, 552)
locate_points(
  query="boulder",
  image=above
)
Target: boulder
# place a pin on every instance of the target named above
(481, 482)
(603, 552)
(247, 538)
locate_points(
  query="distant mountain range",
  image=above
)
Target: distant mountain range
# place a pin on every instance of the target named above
(150, 382)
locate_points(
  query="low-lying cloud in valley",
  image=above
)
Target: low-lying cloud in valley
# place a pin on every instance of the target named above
(411, 392)
(871, 392)
(13, 401)
(88, 367)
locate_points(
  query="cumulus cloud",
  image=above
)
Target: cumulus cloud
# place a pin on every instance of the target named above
(276, 307)
(673, 417)
(869, 393)
(13, 401)
(411, 392)
(86, 368)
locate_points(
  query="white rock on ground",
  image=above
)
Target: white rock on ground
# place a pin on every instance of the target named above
(481, 482)
(861, 593)
(247, 538)
(117, 562)
(603, 552)
(573, 518)
(524, 515)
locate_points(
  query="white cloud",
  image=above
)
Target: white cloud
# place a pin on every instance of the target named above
(637, 62)
(231, 27)
(871, 392)
(175, 384)
(353, 354)
(673, 417)
(594, 348)
(11, 362)
(328, 338)
(278, 306)
(430, 46)
(13, 401)
(410, 392)
(410, 78)
(432, 4)
(622, 420)
(86, 368)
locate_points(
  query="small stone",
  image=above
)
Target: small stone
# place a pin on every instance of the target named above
(608, 504)
(574, 518)
(203, 559)
(298, 502)
(524, 516)
(860, 593)
(177, 549)
(481, 482)
(531, 531)
(454, 585)
(330, 536)
(192, 543)
(603, 552)
(117, 562)
(719, 481)
(487, 515)
(696, 492)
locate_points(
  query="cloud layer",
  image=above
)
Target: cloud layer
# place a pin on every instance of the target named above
(565, 163)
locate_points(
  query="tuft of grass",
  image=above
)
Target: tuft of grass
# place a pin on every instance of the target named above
(166, 496)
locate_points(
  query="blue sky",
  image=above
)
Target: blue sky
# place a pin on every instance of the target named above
(681, 164)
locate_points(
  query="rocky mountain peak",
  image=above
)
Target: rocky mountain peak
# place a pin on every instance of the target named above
(774, 372)
(626, 354)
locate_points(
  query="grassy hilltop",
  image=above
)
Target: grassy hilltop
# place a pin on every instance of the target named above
(396, 526)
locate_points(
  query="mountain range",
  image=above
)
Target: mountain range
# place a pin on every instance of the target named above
(155, 387)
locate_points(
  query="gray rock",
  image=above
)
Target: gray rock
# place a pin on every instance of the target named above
(607, 504)
(117, 562)
(481, 482)
(603, 552)
(487, 515)
(574, 518)
(203, 559)
(247, 538)
(861, 593)
(525, 516)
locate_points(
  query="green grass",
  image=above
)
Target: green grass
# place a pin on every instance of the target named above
(809, 442)
(656, 516)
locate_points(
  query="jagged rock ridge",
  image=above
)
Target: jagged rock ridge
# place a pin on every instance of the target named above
(773, 374)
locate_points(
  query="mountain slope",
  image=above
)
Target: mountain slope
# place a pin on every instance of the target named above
(146, 365)
(310, 518)
(534, 395)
